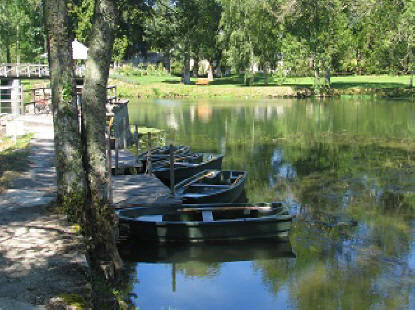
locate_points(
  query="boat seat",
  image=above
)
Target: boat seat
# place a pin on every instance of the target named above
(207, 216)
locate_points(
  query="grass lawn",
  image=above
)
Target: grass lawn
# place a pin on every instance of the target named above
(233, 86)
(13, 158)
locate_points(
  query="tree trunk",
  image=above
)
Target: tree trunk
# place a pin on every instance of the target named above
(358, 62)
(196, 68)
(186, 67)
(210, 71)
(328, 77)
(218, 71)
(167, 63)
(99, 214)
(411, 67)
(265, 74)
(69, 169)
(8, 55)
(18, 44)
(316, 78)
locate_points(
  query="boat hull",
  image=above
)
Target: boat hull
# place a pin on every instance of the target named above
(189, 225)
(182, 173)
(211, 232)
(226, 195)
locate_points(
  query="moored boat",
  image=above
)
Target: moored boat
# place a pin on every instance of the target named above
(227, 222)
(185, 169)
(163, 152)
(212, 186)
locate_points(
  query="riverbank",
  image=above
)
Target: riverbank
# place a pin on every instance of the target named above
(166, 86)
(42, 257)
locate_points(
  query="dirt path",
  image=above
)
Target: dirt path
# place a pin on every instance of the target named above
(41, 257)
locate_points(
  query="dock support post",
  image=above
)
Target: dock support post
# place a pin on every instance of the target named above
(148, 165)
(136, 143)
(116, 155)
(172, 169)
(109, 163)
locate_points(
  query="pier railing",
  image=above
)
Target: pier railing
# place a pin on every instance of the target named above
(14, 70)
(24, 71)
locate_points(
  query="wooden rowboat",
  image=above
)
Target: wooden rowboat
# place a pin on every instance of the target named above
(212, 186)
(208, 224)
(185, 169)
(163, 152)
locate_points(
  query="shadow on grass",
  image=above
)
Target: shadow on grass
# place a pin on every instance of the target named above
(344, 85)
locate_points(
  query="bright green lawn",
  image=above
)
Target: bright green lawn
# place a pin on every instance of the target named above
(352, 81)
(233, 86)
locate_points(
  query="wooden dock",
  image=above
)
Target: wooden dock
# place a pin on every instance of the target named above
(123, 162)
(137, 189)
(140, 190)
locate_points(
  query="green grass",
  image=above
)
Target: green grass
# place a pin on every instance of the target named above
(166, 86)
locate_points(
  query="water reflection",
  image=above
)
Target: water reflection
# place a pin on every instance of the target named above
(347, 170)
(205, 271)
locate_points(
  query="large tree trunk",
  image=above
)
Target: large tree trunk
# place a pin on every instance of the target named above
(69, 169)
(186, 67)
(99, 214)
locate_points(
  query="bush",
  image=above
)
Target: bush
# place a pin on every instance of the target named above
(176, 68)
(142, 70)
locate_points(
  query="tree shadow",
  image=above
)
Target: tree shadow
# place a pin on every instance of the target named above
(39, 257)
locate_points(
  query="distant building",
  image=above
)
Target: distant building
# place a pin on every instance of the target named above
(152, 58)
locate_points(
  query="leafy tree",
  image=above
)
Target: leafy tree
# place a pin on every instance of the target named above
(21, 30)
(316, 22)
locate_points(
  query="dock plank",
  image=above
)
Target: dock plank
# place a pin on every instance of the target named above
(140, 190)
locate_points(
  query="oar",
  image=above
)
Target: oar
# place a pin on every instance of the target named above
(210, 173)
(237, 179)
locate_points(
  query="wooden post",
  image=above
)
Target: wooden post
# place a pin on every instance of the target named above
(148, 165)
(173, 277)
(136, 142)
(22, 111)
(172, 169)
(116, 155)
(109, 162)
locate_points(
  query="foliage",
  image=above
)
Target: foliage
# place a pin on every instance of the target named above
(21, 30)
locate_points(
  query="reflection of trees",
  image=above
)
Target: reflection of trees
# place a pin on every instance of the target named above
(356, 159)
(198, 269)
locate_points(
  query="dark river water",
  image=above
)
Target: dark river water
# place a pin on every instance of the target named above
(334, 162)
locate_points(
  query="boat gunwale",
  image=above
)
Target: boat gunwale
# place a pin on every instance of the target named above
(272, 218)
(181, 166)
(181, 188)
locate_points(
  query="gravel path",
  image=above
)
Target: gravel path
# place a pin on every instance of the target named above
(41, 257)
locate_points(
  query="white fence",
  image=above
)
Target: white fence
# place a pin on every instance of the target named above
(31, 71)
(24, 71)
(11, 98)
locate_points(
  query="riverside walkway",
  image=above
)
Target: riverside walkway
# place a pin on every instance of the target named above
(41, 256)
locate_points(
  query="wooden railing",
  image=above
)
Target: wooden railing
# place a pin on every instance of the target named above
(24, 70)
(11, 99)
(30, 71)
